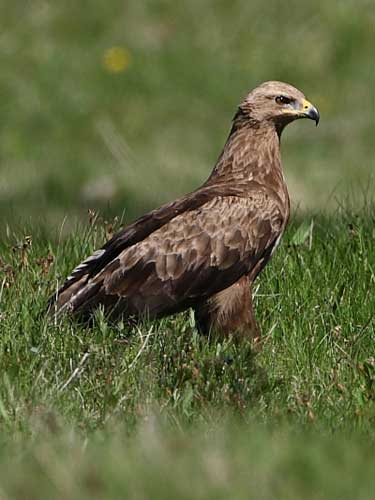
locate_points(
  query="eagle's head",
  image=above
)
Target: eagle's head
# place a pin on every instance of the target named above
(278, 103)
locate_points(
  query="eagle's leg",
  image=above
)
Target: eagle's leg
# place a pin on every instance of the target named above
(229, 312)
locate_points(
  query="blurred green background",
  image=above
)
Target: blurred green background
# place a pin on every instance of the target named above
(122, 105)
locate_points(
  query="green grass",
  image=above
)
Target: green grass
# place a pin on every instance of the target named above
(160, 411)
(75, 135)
(226, 462)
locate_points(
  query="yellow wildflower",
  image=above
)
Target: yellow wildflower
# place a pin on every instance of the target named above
(116, 59)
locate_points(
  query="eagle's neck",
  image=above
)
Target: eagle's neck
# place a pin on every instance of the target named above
(251, 155)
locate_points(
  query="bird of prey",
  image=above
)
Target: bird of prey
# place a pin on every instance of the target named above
(203, 250)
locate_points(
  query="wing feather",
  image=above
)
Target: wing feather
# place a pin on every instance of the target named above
(134, 233)
(195, 254)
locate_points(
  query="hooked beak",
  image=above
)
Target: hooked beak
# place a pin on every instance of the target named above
(310, 111)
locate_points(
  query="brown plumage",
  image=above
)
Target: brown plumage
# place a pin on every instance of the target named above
(205, 249)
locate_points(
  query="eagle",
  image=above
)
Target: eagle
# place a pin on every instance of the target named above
(205, 249)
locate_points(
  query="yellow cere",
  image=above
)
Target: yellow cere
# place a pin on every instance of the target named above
(116, 59)
(305, 105)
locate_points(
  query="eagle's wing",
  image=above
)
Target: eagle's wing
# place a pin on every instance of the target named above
(132, 234)
(194, 255)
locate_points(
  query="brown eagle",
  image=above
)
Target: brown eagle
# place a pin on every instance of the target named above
(203, 250)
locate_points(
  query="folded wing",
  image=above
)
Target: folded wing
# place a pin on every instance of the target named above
(193, 255)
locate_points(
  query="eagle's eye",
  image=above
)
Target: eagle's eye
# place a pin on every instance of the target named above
(282, 99)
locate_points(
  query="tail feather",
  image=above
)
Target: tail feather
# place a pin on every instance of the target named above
(63, 299)
(83, 301)
(74, 285)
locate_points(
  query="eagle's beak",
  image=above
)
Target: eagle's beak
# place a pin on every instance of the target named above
(310, 111)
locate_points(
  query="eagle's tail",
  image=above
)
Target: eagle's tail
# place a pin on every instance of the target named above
(77, 287)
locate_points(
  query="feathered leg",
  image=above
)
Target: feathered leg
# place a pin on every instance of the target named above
(229, 312)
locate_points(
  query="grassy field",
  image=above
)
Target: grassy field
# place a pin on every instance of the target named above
(121, 106)
(83, 125)
(159, 411)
